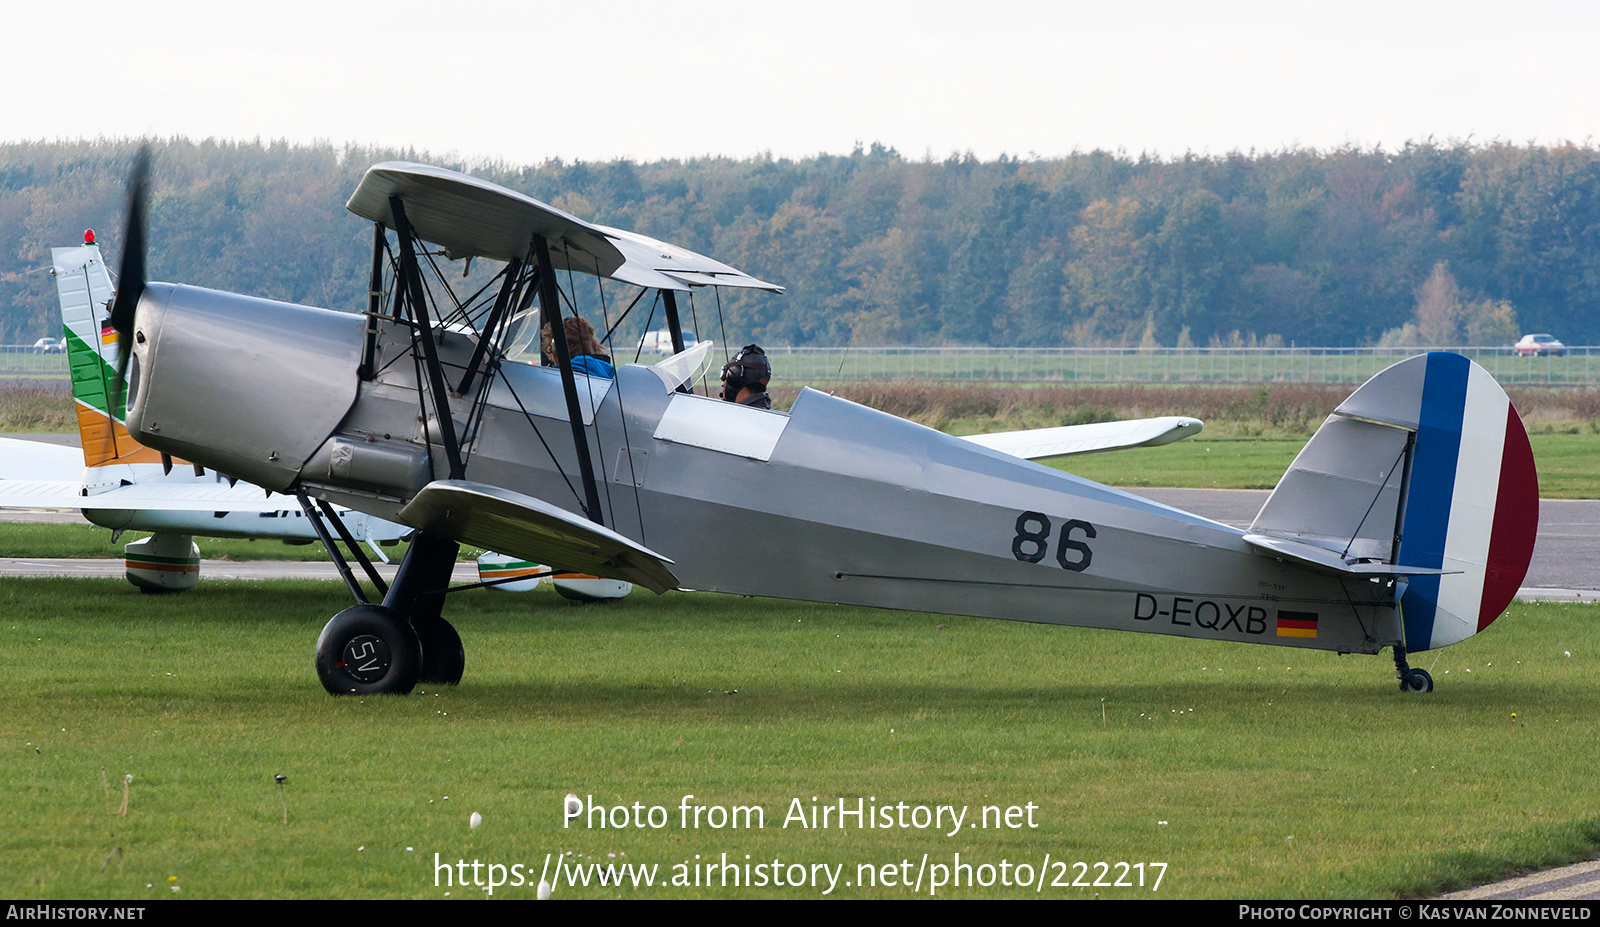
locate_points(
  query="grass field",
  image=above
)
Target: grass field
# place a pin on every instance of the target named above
(1250, 772)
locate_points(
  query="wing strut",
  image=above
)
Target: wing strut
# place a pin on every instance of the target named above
(333, 549)
(550, 306)
(506, 296)
(369, 349)
(419, 312)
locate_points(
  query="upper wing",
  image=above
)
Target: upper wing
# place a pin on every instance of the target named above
(469, 216)
(1069, 440)
(522, 526)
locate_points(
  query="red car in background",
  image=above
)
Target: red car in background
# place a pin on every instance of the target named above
(1539, 345)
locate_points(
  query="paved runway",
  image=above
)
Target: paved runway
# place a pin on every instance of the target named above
(1579, 882)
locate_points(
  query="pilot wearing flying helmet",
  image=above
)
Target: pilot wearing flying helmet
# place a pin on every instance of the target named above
(745, 378)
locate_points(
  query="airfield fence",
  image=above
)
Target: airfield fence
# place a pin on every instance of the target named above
(793, 366)
(1580, 366)
(23, 360)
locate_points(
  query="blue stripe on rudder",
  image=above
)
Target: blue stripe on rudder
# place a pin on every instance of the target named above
(1432, 486)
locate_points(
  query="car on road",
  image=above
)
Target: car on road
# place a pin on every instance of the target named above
(1539, 345)
(660, 342)
(49, 346)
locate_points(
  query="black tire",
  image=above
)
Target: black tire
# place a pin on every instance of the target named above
(443, 657)
(1417, 680)
(388, 651)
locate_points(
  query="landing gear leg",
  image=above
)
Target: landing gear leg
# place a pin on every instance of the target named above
(418, 596)
(1411, 679)
(391, 647)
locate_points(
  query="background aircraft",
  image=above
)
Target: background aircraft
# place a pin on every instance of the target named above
(1406, 522)
(125, 486)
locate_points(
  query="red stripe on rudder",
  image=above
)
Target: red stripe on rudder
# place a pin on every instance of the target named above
(1516, 523)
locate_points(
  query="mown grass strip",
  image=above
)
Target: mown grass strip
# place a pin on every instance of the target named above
(1252, 772)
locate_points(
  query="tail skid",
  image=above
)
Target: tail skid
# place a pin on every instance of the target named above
(1424, 472)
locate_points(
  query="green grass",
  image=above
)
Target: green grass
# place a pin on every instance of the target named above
(1569, 465)
(1278, 773)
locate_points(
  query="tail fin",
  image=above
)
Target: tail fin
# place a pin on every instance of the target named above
(1427, 467)
(83, 285)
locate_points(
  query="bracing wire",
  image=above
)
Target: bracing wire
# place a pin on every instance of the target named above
(647, 323)
(723, 324)
(704, 383)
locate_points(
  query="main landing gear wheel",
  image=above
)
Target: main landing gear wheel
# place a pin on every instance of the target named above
(366, 650)
(443, 657)
(1416, 680)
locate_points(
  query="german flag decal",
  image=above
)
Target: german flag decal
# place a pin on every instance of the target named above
(1297, 624)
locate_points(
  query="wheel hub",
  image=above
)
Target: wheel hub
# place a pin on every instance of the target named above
(366, 658)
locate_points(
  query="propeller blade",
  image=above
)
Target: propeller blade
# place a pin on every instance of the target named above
(131, 277)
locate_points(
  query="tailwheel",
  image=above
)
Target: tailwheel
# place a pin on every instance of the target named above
(366, 650)
(443, 657)
(1411, 678)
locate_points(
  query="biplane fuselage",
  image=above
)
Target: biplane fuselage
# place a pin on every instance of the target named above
(829, 502)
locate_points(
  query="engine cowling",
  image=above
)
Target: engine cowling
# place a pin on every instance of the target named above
(247, 386)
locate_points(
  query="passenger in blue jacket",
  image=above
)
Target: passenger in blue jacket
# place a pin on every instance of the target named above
(588, 357)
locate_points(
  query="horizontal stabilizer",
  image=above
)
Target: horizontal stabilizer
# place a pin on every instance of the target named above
(36, 460)
(1328, 561)
(522, 526)
(1071, 440)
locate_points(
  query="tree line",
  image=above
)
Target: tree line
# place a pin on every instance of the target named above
(1342, 247)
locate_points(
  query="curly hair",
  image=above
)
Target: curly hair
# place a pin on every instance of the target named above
(580, 338)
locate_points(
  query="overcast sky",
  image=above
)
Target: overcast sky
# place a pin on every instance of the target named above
(523, 82)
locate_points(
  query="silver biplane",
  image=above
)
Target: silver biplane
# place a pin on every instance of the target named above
(1407, 522)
